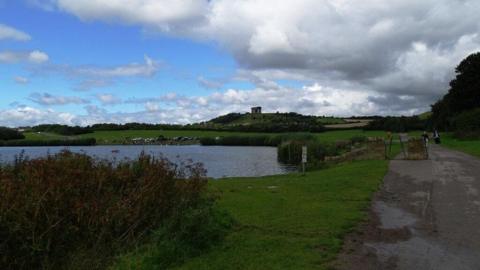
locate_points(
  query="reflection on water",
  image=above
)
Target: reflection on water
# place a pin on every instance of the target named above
(220, 161)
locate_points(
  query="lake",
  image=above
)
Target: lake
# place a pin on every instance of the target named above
(220, 161)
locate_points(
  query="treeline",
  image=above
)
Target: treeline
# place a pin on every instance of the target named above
(136, 126)
(70, 142)
(459, 109)
(10, 134)
(397, 124)
(62, 129)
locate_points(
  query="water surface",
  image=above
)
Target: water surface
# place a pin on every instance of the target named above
(220, 161)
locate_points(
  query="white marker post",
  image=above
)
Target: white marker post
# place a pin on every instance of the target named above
(304, 158)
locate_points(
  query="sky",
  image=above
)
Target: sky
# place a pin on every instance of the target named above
(80, 62)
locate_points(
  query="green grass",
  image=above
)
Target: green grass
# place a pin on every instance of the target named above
(291, 221)
(332, 136)
(106, 137)
(43, 136)
(273, 117)
(471, 147)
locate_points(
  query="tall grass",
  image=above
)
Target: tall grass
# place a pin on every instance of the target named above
(290, 152)
(259, 140)
(54, 208)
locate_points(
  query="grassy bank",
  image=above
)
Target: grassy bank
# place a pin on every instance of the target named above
(291, 221)
(471, 147)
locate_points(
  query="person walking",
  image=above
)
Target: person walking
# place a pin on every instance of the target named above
(436, 136)
(425, 138)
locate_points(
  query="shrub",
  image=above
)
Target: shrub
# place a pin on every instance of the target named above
(291, 152)
(53, 206)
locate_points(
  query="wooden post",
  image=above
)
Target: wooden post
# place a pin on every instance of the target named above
(402, 136)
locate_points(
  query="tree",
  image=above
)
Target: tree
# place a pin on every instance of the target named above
(463, 95)
(10, 134)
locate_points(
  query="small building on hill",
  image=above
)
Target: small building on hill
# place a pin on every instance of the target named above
(256, 110)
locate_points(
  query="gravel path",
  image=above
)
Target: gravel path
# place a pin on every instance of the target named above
(426, 216)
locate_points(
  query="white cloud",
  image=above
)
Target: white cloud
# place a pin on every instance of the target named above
(109, 99)
(169, 16)
(173, 108)
(149, 68)
(89, 77)
(21, 80)
(359, 43)
(7, 32)
(47, 99)
(28, 116)
(34, 57)
(37, 57)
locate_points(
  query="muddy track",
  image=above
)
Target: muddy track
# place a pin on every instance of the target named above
(426, 216)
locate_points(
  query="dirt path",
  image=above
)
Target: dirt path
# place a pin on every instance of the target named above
(426, 216)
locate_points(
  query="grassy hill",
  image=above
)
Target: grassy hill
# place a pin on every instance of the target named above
(233, 119)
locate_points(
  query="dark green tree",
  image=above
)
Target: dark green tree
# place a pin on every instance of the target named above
(463, 95)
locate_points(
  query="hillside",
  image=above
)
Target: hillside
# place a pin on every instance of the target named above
(233, 119)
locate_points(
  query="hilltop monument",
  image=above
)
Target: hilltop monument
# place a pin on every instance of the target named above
(256, 110)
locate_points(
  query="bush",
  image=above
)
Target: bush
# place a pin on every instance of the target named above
(10, 134)
(53, 206)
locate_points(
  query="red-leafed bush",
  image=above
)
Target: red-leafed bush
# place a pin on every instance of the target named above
(50, 207)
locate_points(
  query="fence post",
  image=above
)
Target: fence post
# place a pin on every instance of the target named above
(304, 158)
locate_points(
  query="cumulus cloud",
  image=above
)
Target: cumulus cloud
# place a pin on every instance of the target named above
(47, 99)
(7, 32)
(28, 116)
(403, 47)
(166, 15)
(179, 109)
(34, 57)
(109, 99)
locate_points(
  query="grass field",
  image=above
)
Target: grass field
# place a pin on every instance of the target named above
(285, 222)
(470, 147)
(112, 137)
(291, 221)
(43, 136)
